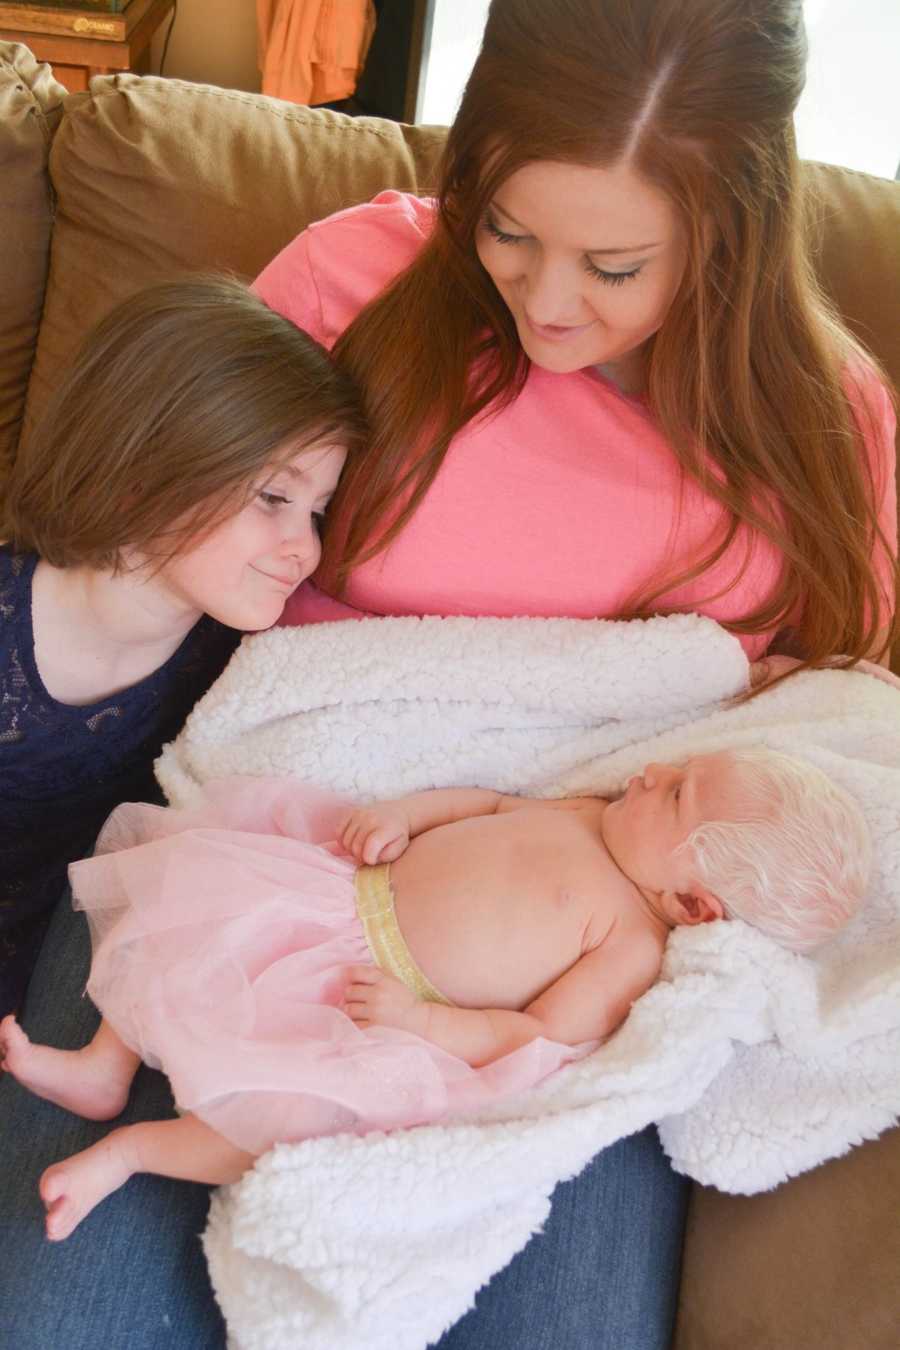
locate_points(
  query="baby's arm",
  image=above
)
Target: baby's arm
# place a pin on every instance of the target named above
(381, 832)
(587, 1003)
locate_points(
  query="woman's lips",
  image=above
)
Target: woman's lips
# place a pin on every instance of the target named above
(552, 332)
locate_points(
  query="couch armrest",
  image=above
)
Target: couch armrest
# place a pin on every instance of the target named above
(30, 107)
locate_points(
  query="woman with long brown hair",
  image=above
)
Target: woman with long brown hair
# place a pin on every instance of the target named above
(602, 382)
(625, 212)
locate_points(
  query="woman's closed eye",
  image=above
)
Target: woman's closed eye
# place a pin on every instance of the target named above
(501, 236)
(608, 278)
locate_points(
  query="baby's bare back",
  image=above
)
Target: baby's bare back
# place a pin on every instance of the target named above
(495, 908)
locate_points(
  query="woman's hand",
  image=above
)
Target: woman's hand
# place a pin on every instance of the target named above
(374, 834)
(373, 998)
(770, 668)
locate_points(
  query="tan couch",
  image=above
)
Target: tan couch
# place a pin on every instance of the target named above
(101, 193)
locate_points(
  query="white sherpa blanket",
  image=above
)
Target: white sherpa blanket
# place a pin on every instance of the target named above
(756, 1063)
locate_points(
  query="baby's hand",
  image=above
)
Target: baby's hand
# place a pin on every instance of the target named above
(377, 833)
(373, 998)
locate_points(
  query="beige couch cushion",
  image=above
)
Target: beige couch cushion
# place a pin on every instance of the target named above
(156, 176)
(30, 107)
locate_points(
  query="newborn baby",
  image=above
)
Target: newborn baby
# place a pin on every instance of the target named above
(561, 909)
(299, 967)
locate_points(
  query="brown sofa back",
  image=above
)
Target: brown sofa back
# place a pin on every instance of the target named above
(154, 176)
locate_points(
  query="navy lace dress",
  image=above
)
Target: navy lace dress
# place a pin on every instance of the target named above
(64, 768)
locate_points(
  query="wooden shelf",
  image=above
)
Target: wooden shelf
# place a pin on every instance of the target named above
(92, 21)
(80, 42)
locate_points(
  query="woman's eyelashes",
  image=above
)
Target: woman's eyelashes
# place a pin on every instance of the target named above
(608, 278)
(501, 235)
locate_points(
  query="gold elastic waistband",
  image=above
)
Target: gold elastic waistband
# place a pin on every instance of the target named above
(375, 907)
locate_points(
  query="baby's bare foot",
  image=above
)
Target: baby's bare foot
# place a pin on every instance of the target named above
(79, 1080)
(72, 1188)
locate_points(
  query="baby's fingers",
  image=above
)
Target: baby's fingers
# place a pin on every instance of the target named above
(394, 849)
(360, 993)
(363, 838)
(349, 830)
(379, 845)
(363, 975)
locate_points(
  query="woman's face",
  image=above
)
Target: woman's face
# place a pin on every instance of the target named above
(588, 261)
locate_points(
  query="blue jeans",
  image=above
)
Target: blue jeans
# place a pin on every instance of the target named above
(603, 1275)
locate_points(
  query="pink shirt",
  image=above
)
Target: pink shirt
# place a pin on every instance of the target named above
(562, 504)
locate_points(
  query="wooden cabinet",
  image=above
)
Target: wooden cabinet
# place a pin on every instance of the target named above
(79, 41)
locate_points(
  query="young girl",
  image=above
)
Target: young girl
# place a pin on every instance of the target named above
(292, 988)
(169, 498)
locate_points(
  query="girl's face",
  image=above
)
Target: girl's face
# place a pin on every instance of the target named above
(588, 261)
(244, 569)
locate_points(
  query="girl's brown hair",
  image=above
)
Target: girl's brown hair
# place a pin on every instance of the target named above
(749, 376)
(180, 398)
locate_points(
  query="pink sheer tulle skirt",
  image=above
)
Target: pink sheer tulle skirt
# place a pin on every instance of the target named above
(222, 935)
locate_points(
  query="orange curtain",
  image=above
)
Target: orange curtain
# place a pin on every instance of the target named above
(311, 51)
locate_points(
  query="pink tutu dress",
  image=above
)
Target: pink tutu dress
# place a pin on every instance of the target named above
(222, 936)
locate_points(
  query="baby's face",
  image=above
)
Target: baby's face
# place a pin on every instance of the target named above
(657, 812)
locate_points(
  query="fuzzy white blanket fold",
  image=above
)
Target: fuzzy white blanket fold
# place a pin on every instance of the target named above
(756, 1063)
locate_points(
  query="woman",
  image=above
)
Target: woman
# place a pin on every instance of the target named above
(616, 275)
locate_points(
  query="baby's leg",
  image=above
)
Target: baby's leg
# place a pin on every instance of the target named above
(185, 1149)
(93, 1082)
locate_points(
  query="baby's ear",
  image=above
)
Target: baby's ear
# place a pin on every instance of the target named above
(697, 906)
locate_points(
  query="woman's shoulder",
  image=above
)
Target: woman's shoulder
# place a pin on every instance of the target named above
(867, 390)
(398, 216)
(324, 276)
(872, 406)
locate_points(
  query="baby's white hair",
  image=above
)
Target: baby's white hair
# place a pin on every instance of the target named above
(793, 857)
